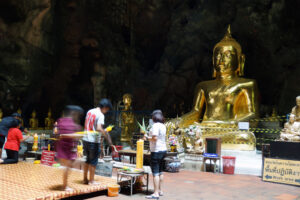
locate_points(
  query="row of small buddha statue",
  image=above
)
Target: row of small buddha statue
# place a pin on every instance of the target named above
(33, 121)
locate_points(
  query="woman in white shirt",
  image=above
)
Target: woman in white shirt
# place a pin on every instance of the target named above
(158, 148)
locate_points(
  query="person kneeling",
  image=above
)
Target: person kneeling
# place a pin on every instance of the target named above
(12, 145)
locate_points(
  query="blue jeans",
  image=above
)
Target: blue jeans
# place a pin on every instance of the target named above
(157, 162)
(92, 151)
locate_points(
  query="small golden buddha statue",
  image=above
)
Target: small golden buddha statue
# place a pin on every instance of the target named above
(1, 114)
(127, 119)
(223, 102)
(49, 121)
(296, 109)
(33, 122)
(19, 111)
(291, 130)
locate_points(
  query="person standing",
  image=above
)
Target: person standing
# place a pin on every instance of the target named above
(5, 125)
(158, 148)
(12, 145)
(94, 123)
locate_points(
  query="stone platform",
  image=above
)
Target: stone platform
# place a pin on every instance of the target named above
(247, 162)
(34, 181)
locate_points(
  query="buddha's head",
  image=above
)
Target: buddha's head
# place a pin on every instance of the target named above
(228, 57)
(33, 114)
(49, 113)
(127, 100)
(292, 119)
(298, 101)
(1, 113)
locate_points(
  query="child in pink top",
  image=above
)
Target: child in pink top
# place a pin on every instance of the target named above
(68, 139)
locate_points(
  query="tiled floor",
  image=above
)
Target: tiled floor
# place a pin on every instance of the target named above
(24, 181)
(190, 185)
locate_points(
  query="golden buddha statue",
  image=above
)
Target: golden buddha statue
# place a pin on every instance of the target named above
(1, 114)
(296, 109)
(291, 130)
(127, 119)
(33, 122)
(19, 111)
(221, 103)
(49, 121)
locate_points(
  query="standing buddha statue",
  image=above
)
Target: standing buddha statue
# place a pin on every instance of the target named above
(127, 119)
(221, 103)
(33, 122)
(49, 121)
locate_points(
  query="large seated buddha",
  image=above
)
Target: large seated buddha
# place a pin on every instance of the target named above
(221, 103)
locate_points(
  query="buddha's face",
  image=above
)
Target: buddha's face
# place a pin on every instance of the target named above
(292, 119)
(298, 101)
(225, 59)
(127, 100)
(33, 114)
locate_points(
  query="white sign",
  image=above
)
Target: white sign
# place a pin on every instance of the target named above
(243, 125)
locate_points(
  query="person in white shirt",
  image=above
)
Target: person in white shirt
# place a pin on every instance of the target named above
(94, 123)
(158, 148)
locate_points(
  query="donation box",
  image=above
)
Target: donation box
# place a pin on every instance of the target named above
(47, 157)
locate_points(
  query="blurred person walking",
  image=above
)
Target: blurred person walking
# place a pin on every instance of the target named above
(67, 144)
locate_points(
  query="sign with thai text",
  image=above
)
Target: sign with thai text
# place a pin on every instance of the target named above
(281, 171)
(47, 157)
(243, 125)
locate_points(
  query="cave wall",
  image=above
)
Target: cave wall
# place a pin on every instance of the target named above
(54, 52)
(27, 51)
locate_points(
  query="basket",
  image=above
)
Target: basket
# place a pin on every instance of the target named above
(105, 168)
(172, 164)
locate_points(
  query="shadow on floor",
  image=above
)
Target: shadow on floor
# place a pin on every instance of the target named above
(124, 191)
(87, 196)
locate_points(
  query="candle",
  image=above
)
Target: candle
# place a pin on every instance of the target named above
(35, 142)
(49, 147)
(139, 154)
(79, 150)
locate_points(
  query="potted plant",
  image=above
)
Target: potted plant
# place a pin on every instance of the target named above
(173, 141)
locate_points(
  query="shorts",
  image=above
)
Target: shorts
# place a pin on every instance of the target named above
(2, 141)
(157, 162)
(92, 152)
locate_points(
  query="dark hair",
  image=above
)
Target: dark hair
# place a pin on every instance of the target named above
(72, 108)
(105, 103)
(15, 123)
(157, 116)
(16, 115)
